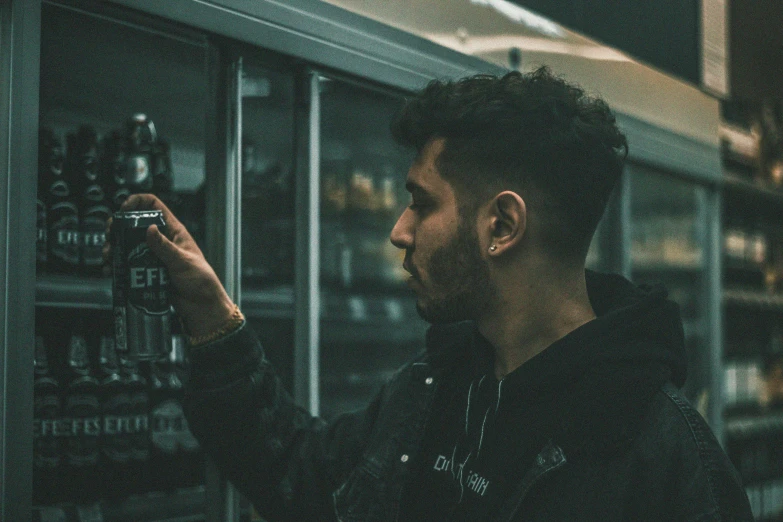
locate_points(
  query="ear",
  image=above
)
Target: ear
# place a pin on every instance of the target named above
(507, 221)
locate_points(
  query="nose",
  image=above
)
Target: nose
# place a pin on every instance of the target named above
(402, 234)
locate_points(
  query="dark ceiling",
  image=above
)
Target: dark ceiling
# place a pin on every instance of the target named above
(666, 35)
(756, 44)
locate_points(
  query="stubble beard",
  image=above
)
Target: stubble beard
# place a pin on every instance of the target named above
(460, 287)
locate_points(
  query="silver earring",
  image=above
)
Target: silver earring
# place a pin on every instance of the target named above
(493, 248)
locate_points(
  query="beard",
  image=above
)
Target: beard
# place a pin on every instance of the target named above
(460, 287)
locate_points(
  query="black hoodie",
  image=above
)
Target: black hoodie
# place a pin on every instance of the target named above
(587, 392)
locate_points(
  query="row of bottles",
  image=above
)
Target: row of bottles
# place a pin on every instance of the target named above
(754, 383)
(753, 254)
(106, 427)
(666, 240)
(752, 139)
(82, 183)
(359, 207)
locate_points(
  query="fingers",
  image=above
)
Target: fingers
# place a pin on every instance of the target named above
(142, 202)
(151, 202)
(171, 255)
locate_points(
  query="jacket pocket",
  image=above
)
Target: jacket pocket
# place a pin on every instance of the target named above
(363, 496)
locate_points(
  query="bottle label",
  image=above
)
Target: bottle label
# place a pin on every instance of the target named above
(168, 423)
(116, 428)
(93, 235)
(46, 445)
(140, 426)
(139, 174)
(187, 441)
(64, 232)
(148, 281)
(82, 427)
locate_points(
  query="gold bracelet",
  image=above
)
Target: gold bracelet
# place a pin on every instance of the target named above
(232, 324)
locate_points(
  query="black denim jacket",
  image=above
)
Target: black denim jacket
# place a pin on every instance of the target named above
(664, 466)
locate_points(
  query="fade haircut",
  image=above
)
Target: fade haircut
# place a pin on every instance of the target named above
(535, 134)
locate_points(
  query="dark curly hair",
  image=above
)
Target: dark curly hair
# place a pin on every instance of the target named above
(536, 134)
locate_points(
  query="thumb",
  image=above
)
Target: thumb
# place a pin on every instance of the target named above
(162, 247)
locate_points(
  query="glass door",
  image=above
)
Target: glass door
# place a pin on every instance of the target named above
(669, 244)
(268, 190)
(368, 324)
(124, 105)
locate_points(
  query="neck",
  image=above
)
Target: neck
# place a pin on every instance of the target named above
(533, 314)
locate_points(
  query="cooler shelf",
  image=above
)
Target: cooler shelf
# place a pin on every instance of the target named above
(755, 299)
(62, 291)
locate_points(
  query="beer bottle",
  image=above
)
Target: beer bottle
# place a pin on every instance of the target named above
(82, 421)
(115, 414)
(62, 215)
(161, 170)
(165, 414)
(139, 433)
(90, 185)
(191, 456)
(40, 240)
(46, 414)
(50, 169)
(113, 165)
(141, 139)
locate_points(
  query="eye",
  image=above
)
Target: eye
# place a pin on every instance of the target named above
(418, 204)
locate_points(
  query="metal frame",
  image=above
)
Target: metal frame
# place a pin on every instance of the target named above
(20, 25)
(662, 148)
(307, 296)
(714, 311)
(325, 34)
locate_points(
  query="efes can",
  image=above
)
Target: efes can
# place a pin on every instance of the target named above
(142, 311)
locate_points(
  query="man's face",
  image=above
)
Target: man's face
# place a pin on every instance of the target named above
(442, 251)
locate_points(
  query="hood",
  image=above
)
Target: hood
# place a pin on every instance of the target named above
(600, 376)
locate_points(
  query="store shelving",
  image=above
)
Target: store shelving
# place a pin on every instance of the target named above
(752, 301)
(755, 299)
(752, 187)
(67, 291)
(747, 426)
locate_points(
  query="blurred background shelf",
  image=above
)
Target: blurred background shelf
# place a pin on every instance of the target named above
(751, 298)
(747, 426)
(752, 187)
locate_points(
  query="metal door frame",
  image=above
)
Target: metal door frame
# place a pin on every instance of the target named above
(20, 35)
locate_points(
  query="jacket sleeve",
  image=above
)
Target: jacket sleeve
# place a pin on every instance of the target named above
(281, 458)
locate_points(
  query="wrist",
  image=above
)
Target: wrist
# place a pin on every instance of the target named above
(205, 335)
(201, 320)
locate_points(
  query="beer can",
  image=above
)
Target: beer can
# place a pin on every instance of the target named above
(142, 311)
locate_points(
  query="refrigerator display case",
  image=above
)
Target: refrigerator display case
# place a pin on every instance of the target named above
(110, 438)
(267, 123)
(669, 245)
(223, 124)
(369, 326)
(752, 257)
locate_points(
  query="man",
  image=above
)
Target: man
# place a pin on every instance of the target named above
(545, 392)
